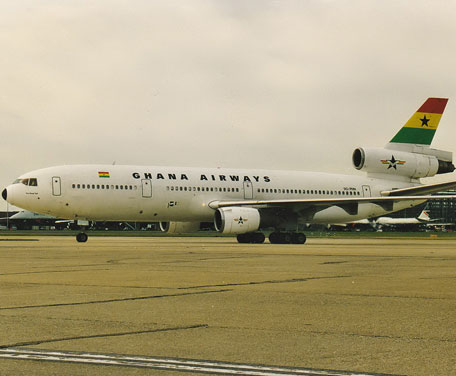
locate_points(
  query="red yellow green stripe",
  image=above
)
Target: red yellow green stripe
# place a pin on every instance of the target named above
(421, 127)
(103, 174)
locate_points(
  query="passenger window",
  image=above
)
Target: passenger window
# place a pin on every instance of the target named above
(79, 186)
(98, 186)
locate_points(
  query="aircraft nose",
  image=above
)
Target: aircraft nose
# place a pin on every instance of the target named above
(5, 194)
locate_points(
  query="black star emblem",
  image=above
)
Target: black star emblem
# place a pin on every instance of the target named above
(392, 163)
(424, 121)
(241, 221)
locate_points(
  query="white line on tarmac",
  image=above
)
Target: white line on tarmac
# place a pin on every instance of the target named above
(183, 365)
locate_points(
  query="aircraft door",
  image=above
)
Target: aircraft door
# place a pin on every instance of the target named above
(366, 191)
(146, 188)
(56, 186)
(248, 190)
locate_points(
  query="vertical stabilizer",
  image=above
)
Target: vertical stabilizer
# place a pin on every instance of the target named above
(421, 127)
(424, 216)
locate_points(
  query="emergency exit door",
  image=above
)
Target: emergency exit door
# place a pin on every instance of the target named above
(146, 188)
(366, 191)
(56, 186)
(248, 190)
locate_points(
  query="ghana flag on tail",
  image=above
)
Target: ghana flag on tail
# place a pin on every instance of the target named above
(421, 127)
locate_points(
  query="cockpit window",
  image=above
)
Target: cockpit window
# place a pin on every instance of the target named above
(33, 182)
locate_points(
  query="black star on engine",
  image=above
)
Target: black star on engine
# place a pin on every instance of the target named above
(392, 163)
(424, 121)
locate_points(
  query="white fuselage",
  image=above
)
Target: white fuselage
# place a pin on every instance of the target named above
(140, 193)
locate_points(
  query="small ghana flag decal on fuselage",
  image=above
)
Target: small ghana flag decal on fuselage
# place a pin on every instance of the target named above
(421, 127)
(103, 174)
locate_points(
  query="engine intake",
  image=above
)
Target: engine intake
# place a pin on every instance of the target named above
(236, 220)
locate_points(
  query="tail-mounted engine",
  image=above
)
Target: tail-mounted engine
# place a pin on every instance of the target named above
(236, 220)
(402, 163)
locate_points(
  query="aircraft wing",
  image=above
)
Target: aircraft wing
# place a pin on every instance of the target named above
(421, 189)
(349, 204)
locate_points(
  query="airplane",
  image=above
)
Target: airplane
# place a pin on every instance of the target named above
(377, 223)
(244, 202)
(25, 214)
(423, 218)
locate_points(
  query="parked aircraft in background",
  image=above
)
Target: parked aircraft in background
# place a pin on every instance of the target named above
(389, 221)
(26, 214)
(241, 201)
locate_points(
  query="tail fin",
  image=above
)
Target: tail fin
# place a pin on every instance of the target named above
(421, 127)
(424, 216)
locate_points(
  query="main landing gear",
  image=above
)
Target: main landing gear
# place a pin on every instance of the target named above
(287, 238)
(82, 237)
(274, 238)
(251, 237)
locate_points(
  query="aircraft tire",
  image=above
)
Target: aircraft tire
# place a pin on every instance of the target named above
(251, 237)
(82, 237)
(298, 238)
(258, 237)
(242, 238)
(287, 238)
(274, 238)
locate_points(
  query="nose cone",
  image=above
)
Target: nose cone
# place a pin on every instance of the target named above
(5, 194)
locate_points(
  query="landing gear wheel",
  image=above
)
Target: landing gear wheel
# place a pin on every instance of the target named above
(274, 238)
(251, 237)
(287, 238)
(298, 238)
(242, 238)
(258, 237)
(82, 237)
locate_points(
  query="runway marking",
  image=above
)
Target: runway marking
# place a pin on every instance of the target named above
(19, 240)
(115, 300)
(103, 335)
(171, 364)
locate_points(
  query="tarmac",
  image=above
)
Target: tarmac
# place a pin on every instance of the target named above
(373, 306)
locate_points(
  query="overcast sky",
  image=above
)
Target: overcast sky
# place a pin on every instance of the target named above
(260, 84)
